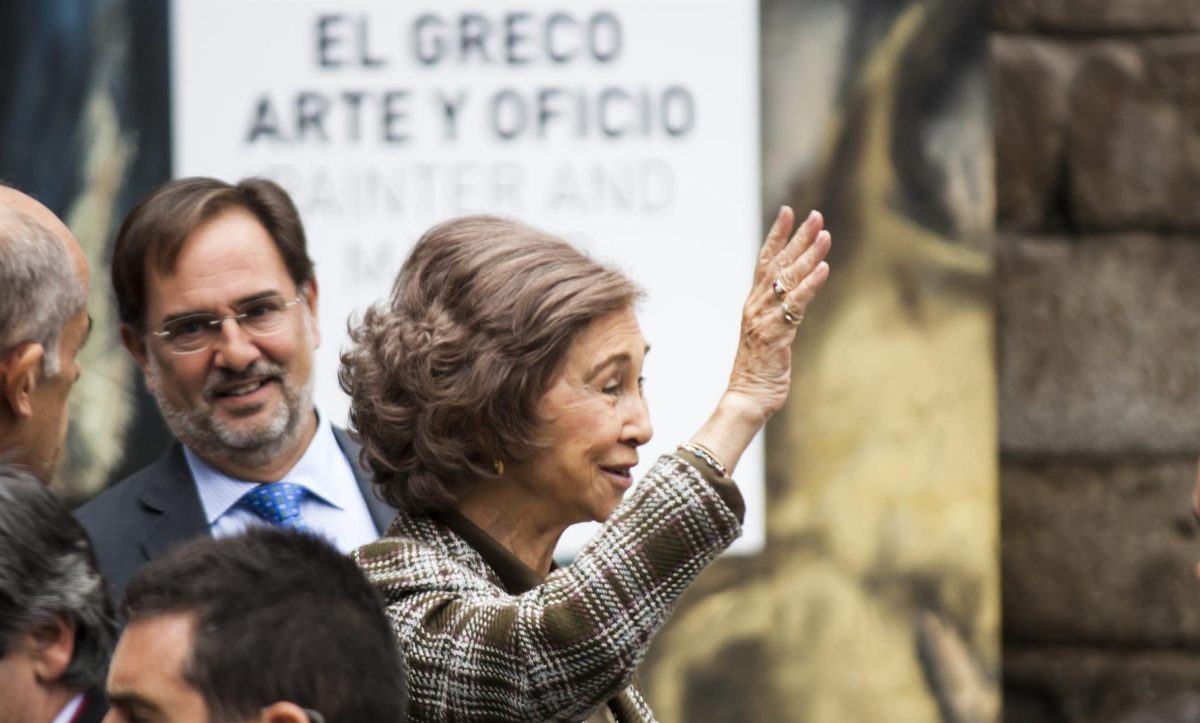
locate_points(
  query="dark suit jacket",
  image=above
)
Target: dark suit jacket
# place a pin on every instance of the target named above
(95, 707)
(144, 515)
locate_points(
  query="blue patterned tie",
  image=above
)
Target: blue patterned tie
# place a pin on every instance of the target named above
(277, 503)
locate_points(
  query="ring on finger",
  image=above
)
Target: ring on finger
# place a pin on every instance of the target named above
(791, 317)
(779, 289)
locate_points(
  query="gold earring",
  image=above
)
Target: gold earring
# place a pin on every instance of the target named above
(498, 466)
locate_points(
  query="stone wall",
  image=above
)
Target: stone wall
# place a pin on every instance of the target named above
(1097, 127)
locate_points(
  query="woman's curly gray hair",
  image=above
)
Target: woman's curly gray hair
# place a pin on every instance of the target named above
(445, 378)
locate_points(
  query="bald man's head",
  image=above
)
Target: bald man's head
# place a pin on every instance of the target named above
(43, 322)
(13, 201)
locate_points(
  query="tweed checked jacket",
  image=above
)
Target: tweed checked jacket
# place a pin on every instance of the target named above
(563, 648)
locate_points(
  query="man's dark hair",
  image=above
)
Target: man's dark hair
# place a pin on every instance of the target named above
(279, 616)
(48, 570)
(153, 234)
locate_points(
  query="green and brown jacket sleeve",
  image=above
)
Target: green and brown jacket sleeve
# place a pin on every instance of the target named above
(564, 647)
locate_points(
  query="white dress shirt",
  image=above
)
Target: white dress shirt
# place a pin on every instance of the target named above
(70, 710)
(334, 508)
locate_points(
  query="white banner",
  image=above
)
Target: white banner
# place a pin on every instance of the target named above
(630, 128)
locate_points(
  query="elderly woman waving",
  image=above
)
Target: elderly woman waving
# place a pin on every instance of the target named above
(498, 397)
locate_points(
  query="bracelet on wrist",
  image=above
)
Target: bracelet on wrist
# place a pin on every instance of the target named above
(706, 455)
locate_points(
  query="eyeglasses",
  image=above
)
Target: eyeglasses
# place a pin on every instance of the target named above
(197, 332)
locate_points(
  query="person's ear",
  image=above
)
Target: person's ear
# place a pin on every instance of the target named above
(19, 375)
(135, 344)
(285, 712)
(53, 644)
(309, 290)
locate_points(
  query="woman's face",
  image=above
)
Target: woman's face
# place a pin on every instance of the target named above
(595, 419)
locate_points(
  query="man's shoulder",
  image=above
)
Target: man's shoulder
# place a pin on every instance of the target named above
(141, 517)
(346, 442)
(119, 500)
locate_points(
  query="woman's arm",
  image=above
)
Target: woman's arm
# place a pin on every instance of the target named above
(565, 647)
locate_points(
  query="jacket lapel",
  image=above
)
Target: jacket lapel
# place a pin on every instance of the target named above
(173, 498)
(382, 513)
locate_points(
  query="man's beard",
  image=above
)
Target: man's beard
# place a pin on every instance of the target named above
(209, 437)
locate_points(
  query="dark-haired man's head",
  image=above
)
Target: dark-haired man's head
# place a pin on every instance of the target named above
(56, 626)
(271, 625)
(193, 254)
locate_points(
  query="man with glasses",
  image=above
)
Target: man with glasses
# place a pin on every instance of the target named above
(218, 306)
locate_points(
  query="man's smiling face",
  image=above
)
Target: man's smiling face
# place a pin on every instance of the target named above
(245, 395)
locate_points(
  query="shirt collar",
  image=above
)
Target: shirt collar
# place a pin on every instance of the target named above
(219, 492)
(70, 711)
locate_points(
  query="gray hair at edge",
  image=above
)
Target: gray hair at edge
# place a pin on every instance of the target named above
(39, 286)
(47, 570)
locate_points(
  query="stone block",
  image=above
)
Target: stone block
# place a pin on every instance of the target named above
(1097, 345)
(1096, 16)
(1133, 136)
(1030, 82)
(1099, 554)
(1056, 685)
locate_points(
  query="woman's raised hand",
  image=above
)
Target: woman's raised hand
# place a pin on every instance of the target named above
(787, 277)
(790, 271)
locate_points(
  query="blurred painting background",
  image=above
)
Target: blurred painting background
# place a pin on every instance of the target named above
(977, 497)
(84, 129)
